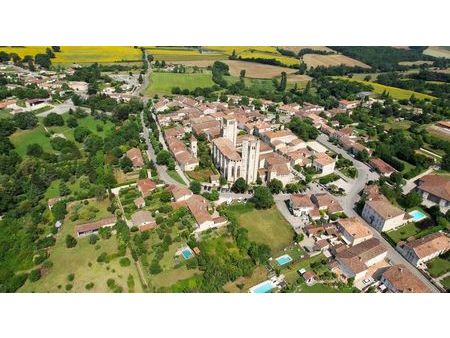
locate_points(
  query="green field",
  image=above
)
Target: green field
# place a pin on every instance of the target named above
(438, 266)
(403, 233)
(394, 92)
(175, 176)
(264, 226)
(22, 138)
(82, 262)
(162, 83)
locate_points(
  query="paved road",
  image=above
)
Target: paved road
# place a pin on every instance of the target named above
(348, 202)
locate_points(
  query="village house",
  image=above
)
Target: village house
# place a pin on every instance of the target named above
(399, 279)
(353, 231)
(301, 205)
(435, 189)
(180, 193)
(382, 167)
(323, 163)
(93, 227)
(345, 104)
(143, 219)
(356, 260)
(139, 202)
(145, 186)
(424, 249)
(382, 215)
(327, 203)
(134, 154)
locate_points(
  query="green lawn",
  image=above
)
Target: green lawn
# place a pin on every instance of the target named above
(446, 283)
(264, 226)
(82, 262)
(5, 113)
(22, 138)
(403, 233)
(201, 175)
(162, 83)
(175, 176)
(53, 189)
(438, 266)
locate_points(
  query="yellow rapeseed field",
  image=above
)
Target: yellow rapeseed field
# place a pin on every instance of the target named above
(82, 54)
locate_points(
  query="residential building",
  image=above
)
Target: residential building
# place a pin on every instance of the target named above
(146, 186)
(435, 189)
(424, 249)
(134, 154)
(382, 167)
(399, 279)
(93, 227)
(353, 231)
(180, 193)
(382, 215)
(323, 163)
(356, 260)
(301, 205)
(143, 220)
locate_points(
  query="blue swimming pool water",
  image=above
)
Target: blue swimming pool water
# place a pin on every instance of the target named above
(417, 215)
(284, 259)
(186, 253)
(263, 287)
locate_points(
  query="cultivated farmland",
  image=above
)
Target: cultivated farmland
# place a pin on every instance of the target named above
(180, 53)
(296, 49)
(439, 52)
(83, 54)
(315, 60)
(162, 83)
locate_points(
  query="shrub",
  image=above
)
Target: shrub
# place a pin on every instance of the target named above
(93, 239)
(34, 275)
(68, 287)
(89, 286)
(124, 261)
(71, 242)
(70, 277)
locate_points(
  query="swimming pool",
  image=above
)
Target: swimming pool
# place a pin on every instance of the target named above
(417, 215)
(187, 253)
(263, 287)
(282, 260)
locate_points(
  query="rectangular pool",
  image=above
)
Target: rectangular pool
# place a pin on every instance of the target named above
(187, 253)
(282, 260)
(263, 287)
(417, 215)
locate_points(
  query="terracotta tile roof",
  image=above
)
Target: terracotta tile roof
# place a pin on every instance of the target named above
(323, 159)
(404, 281)
(323, 200)
(145, 186)
(226, 147)
(436, 185)
(425, 246)
(354, 227)
(381, 166)
(179, 191)
(357, 256)
(92, 226)
(142, 217)
(301, 201)
(134, 154)
(384, 208)
(198, 206)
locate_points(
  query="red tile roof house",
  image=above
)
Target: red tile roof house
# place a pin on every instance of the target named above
(134, 154)
(382, 167)
(356, 260)
(143, 220)
(436, 189)
(399, 279)
(146, 186)
(93, 227)
(310, 278)
(422, 250)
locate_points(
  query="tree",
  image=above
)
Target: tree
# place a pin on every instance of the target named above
(362, 155)
(26, 120)
(56, 49)
(412, 199)
(53, 119)
(163, 157)
(258, 180)
(71, 242)
(72, 122)
(239, 186)
(5, 145)
(43, 60)
(140, 79)
(283, 82)
(262, 198)
(275, 186)
(80, 133)
(196, 187)
(63, 189)
(93, 239)
(35, 150)
(126, 164)
(242, 73)
(446, 161)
